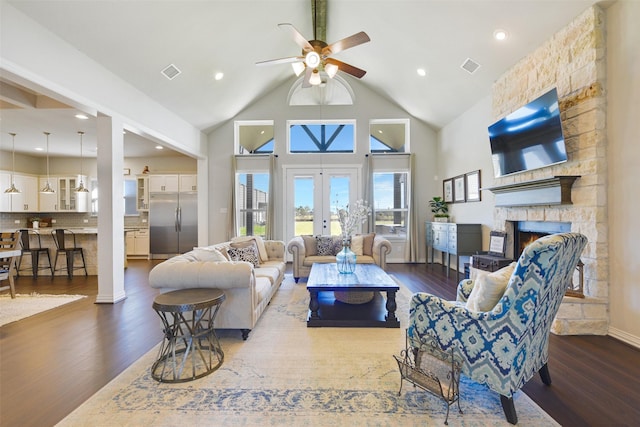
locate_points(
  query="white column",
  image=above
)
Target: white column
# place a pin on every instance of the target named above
(110, 210)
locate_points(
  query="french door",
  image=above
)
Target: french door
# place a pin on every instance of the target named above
(312, 197)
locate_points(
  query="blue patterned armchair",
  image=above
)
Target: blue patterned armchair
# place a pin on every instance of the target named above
(505, 347)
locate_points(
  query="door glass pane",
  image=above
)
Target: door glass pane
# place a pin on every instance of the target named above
(339, 198)
(303, 204)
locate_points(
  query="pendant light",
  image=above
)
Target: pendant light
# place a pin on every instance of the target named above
(12, 189)
(81, 188)
(47, 189)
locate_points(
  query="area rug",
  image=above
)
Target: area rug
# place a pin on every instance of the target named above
(286, 374)
(23, 305)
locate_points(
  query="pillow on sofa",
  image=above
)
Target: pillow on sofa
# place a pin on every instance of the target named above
(367, 245)
(248, 254)
(262, 249)
(488, 288)
(357, 245)
(310, 245)
(325, 245)
(208, 254)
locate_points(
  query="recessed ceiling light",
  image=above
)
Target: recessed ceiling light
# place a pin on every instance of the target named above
(500, 35)
(218, 76)
(159, 147)
(39, 149)
(422, 72)
(82, 116)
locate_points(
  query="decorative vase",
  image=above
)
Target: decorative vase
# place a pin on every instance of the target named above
(346, 258)
(35, 225)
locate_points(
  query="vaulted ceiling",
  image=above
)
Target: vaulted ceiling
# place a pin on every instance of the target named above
(136, 40)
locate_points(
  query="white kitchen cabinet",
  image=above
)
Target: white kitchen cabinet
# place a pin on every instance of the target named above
(48, 202)
(142, 193)
(68, 199)
(26, 200)
(5, 199)
(188, 183)
(137, 242)
(164, 184)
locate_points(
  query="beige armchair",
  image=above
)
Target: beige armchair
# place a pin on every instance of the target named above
(304, 254)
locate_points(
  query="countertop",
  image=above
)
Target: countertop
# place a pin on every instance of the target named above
(44, 231)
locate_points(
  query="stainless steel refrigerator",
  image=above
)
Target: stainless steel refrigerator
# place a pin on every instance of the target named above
(173, 223)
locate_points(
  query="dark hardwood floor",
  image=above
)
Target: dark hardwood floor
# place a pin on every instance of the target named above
(54, 361)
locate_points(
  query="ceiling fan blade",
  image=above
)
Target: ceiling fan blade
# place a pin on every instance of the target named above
(287, 60)
(297, 37)
(307, 77)
(346, 43)
(347, 68)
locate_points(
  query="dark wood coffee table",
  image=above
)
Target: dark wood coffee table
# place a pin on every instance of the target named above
(324, 310)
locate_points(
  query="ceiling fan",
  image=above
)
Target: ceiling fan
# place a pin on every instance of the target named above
(317, 54)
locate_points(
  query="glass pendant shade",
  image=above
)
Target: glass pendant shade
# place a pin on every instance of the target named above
(315, 79)
(47, 187)
(331, 70)
(81, 188)
(298, 67)
(12, 189)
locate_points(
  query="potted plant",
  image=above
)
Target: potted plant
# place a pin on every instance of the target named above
(35, 222)
(439, 208)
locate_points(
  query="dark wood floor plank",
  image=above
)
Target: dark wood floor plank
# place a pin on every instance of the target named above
(54, 361)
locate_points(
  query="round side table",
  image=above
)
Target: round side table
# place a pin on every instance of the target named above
(190, 348)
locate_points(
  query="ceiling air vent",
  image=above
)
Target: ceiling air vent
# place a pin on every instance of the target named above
(171, 72)
(470, 66)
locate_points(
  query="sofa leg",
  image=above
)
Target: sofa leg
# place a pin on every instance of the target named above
(509, 409)
(296, 279)
(545, 376)
(245, 333)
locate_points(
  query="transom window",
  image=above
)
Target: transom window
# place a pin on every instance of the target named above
(322, 137)
(254, 137)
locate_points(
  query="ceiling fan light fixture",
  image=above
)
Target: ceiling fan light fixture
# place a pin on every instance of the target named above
(331, 70)
(298, 68)
(312, 59)
(315, 79)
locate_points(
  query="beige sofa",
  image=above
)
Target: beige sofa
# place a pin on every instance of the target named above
(248, 289)
(304, 253)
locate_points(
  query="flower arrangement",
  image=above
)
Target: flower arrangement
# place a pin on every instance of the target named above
(352, 216)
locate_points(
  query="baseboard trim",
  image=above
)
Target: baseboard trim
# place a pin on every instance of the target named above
(625, 337)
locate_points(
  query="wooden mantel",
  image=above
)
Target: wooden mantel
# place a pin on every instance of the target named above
(550, 191)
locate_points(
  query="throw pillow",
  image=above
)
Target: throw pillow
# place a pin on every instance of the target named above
(310, 245)
(488, 288)
(248, 254)
(324, 245)
(208, 254)
(262, 249)
(357, 245)
(367, 245)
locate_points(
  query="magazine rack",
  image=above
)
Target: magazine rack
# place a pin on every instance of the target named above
(433, 370)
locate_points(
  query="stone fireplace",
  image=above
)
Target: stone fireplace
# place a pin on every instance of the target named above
(573, 61)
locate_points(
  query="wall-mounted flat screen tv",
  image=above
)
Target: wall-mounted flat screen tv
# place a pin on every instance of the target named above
(529, 138)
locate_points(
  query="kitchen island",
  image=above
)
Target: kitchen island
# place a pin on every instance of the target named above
(86, 238)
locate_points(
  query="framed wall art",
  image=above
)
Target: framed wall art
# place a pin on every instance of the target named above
(459, 194)
(447, 190)
(472, 185)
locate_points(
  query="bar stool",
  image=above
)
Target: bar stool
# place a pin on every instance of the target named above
(59, 237)
(34, 251)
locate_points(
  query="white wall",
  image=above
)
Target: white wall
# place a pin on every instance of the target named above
(623, 111)
(368, 105)
(463, 146)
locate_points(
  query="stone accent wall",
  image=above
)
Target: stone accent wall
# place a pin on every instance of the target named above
(573, 61)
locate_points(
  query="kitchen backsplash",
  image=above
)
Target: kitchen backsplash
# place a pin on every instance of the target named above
(66, 220)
